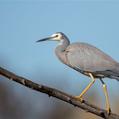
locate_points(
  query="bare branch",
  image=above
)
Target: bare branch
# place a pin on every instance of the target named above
(58, 94)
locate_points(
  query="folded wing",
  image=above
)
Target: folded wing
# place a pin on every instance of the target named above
(86, 57)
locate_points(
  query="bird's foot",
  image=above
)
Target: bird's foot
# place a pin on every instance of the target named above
(108, 110)
(79, 98)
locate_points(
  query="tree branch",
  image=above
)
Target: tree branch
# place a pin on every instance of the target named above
(57, 94)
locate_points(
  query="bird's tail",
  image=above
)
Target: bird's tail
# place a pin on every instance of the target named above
(114, 74)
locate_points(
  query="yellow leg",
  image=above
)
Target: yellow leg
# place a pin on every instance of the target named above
(86, 89)
(106, 96)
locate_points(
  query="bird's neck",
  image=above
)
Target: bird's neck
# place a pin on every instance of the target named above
(60, 49)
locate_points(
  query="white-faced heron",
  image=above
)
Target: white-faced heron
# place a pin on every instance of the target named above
(87, 60)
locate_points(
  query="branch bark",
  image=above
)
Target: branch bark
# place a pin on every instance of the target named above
(58, 94)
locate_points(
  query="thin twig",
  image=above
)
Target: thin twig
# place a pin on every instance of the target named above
(58, 94)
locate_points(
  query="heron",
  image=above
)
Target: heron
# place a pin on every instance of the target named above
(86, 59)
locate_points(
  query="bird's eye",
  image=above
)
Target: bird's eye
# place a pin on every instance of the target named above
(56, 36)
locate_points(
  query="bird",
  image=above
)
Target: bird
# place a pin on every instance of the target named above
(86, 59)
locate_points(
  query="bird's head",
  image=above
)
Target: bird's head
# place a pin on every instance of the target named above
(58, 36)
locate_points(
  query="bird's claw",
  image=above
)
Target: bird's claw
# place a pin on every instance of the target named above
(108, 110)
(79, 99)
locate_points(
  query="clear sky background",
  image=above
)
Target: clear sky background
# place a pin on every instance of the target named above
(23, 22)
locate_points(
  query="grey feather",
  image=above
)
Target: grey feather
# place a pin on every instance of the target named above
(84, 57)
(88, 58)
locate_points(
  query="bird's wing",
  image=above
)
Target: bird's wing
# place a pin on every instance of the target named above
(86, 57)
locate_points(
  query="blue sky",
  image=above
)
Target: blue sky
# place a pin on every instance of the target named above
(23, 22)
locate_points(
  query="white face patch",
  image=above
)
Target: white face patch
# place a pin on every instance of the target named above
(60, 42)
(56, 36)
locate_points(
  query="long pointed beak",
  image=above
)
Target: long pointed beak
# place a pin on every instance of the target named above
(44, 39)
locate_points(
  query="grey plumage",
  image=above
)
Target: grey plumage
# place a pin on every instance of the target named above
(86, 59)
(91, 59)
